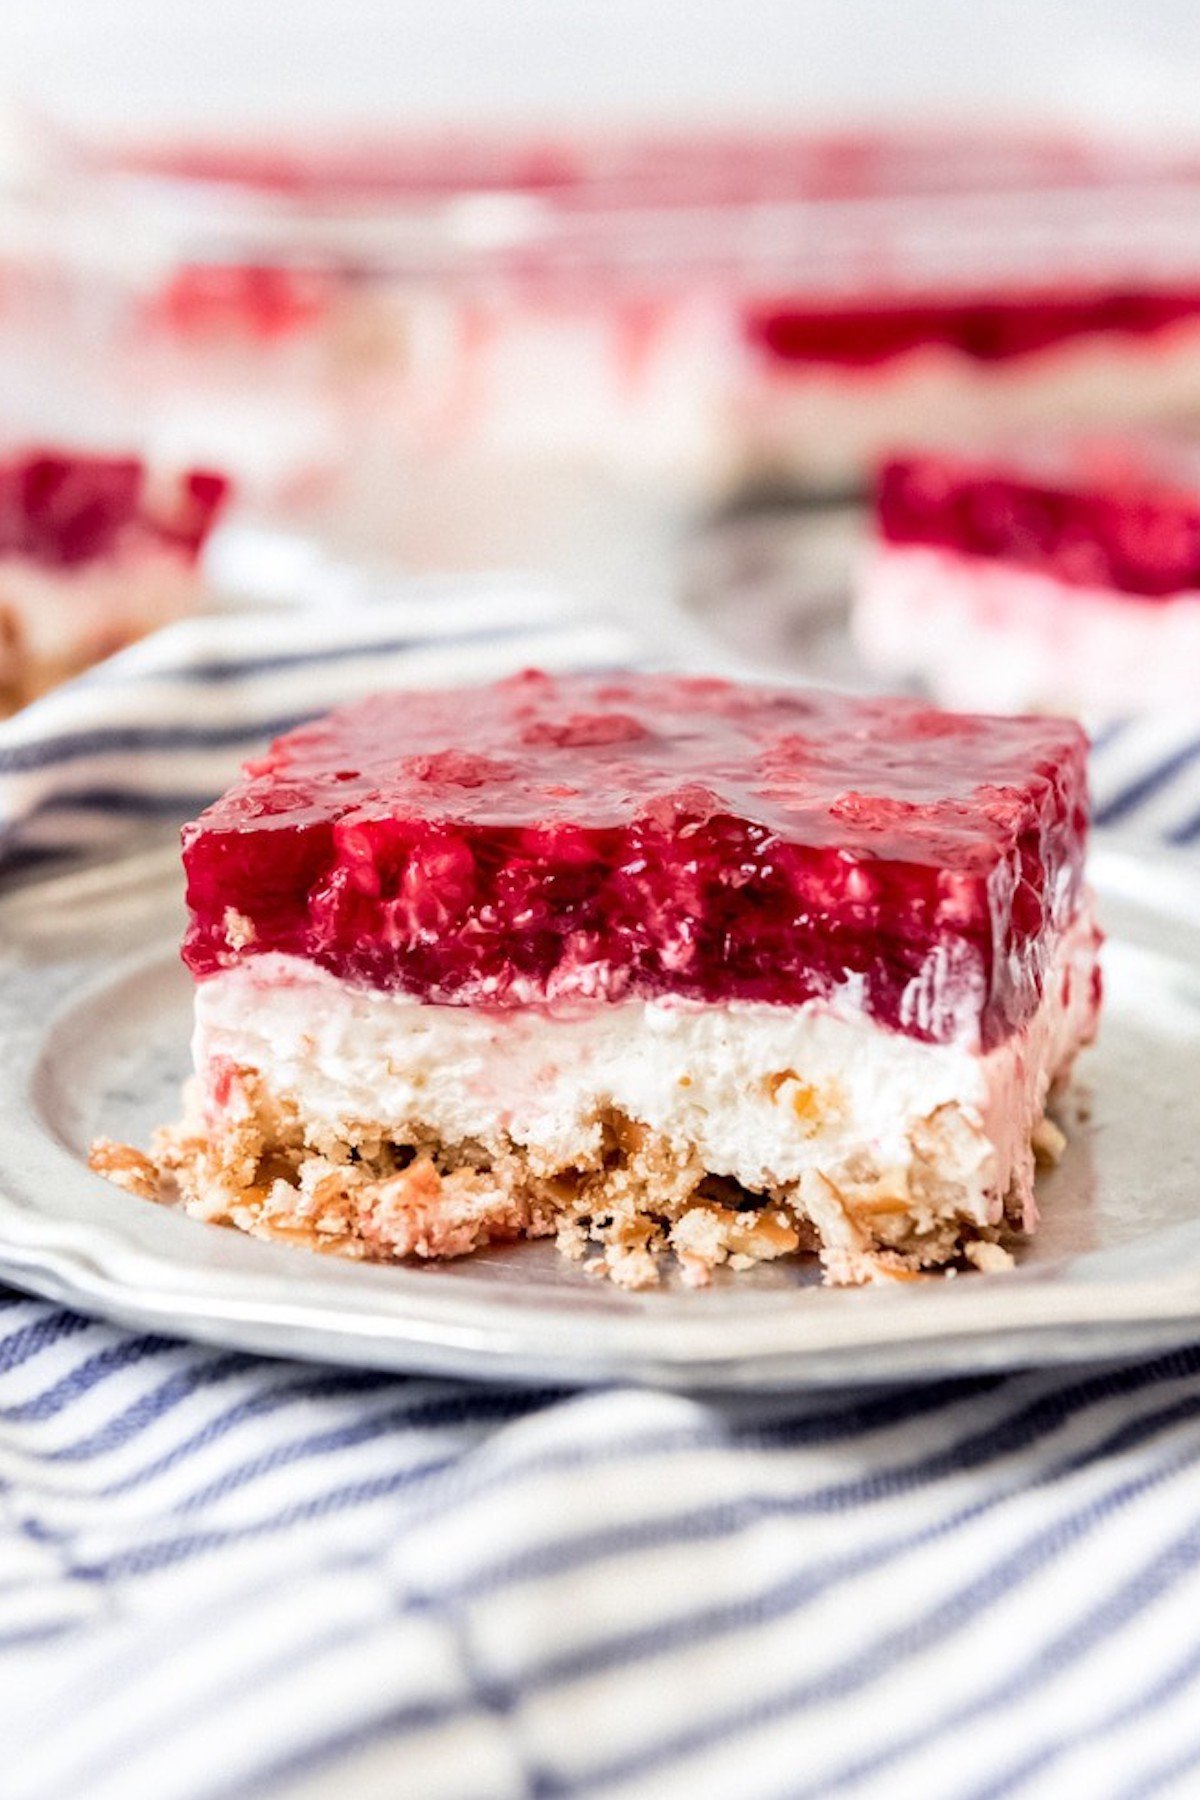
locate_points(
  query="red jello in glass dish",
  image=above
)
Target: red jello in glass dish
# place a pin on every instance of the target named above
(682, 972)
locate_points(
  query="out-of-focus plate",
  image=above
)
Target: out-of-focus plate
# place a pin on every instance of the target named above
(94, 1016)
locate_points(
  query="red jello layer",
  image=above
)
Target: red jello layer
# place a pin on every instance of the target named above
(64, 509)
(1123, 530)
(234, 300)
(550, 838)
(985, 328)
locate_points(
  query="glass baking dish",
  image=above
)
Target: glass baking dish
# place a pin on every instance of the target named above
(470, 350)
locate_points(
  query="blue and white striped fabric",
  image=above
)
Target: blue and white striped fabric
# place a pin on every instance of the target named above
(222, 1576)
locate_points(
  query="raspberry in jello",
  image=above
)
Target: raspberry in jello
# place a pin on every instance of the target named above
(561, 839)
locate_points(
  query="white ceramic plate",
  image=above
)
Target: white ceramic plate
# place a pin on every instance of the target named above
(94, 1019)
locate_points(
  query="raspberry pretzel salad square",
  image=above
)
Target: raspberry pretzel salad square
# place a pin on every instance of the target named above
(1050, 576)
(678, 971)
(95, 551)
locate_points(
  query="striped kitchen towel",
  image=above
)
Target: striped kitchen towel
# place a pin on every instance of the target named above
(223, 1576)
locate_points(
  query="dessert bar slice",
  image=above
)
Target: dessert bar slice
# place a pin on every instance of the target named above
(1067, 579)
(94, 552)
(650, 963)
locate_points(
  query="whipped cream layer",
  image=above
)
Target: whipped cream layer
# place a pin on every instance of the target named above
(762, 1093)
(987, 635)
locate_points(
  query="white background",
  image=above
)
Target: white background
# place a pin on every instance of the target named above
(1132, 64)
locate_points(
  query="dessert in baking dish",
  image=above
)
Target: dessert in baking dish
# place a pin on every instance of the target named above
(95, 551)
(668, 968)
(1059, 580)
(541, 319)
(838, 380)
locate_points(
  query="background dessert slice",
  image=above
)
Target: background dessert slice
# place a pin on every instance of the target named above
(1064, 577)
(646, 962)
(95, 551)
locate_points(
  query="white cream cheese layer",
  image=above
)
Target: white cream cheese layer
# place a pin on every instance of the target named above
(988, 636)
(827, 424)
(761, 1093)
